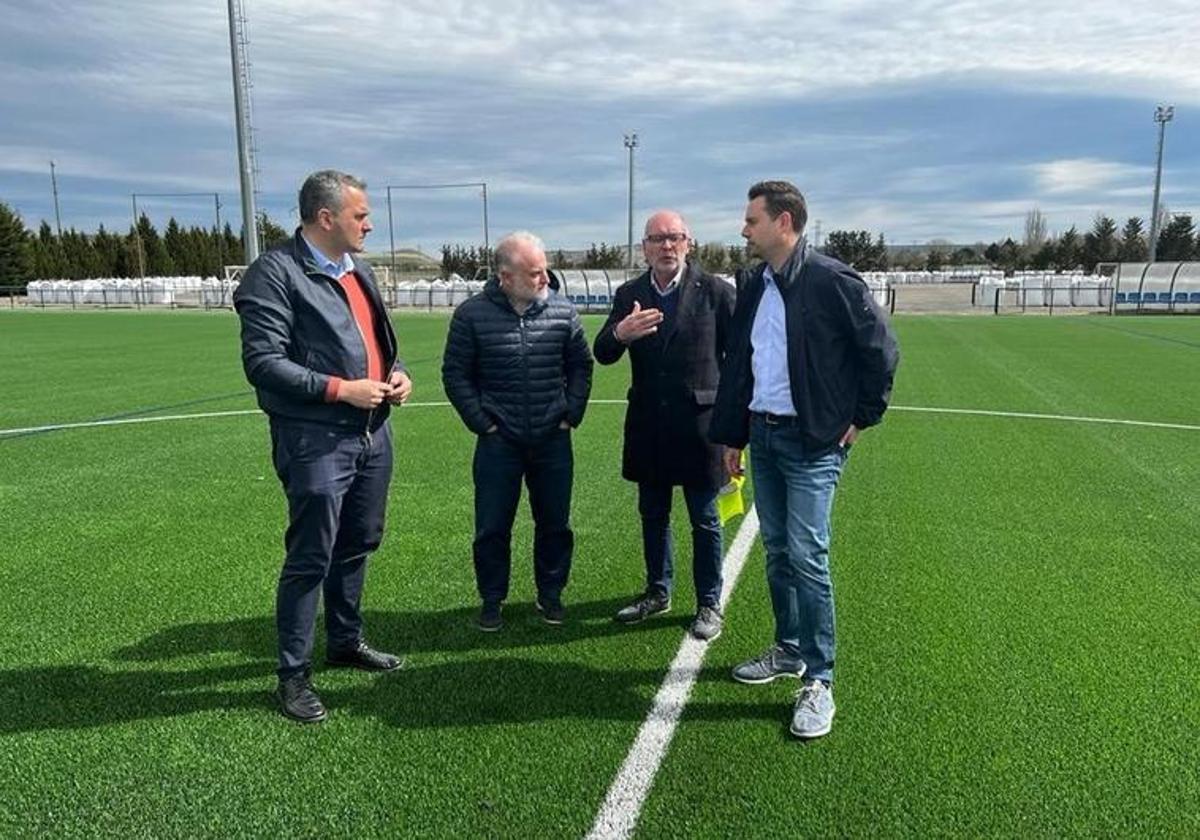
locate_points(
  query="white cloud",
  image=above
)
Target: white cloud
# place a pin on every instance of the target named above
(1084, 175)
(714, 50)
(533, 96)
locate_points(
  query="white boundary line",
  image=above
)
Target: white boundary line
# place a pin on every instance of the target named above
(126, 421)
(1068, 418)
(1024, 415)
(619, 814)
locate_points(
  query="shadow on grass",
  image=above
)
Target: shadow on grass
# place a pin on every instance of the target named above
(475, 691)
(440, 631)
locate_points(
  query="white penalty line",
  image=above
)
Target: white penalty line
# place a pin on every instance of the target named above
(623, 805)
(1066, 418)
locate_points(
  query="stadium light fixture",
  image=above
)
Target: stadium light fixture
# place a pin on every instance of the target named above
(1163, 114)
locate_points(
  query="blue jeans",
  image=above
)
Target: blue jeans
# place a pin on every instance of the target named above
(793, 492)
(548, 469)
(654, 504)
(336, 482)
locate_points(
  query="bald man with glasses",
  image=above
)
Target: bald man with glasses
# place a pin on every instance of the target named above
(674, 320)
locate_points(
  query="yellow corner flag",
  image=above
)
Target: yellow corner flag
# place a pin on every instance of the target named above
(729, 499)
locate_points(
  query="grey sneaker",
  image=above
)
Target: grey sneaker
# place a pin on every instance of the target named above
(813, 715)
(769, 665)
(645, 605)
(707, 625)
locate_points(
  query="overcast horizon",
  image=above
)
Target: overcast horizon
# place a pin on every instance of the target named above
(937, 121)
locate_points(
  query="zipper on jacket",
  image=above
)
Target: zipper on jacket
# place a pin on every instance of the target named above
(525, 372)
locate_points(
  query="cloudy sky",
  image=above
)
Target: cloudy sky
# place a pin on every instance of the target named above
(921, 120)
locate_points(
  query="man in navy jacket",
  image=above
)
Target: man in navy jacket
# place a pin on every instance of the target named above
(809, 366)
(321, 354)
(518, 372)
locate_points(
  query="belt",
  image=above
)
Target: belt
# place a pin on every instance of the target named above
(776, 419)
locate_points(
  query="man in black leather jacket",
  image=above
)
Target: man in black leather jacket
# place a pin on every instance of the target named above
(518, 371)
(321, 354)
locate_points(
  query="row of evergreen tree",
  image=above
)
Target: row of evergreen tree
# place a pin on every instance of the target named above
(200, 251)
(140, 252)
(469, 261)
(1178, 241)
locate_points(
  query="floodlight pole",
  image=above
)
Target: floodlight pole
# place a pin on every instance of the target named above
(487, 246)
(137, 237)
(220, 236)
(391, 234)
(54, 186)
(242, 123)
(631, 142)
(1162, 115)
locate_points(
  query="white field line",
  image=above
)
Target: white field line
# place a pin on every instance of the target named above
(619, 814)
(1024, 415)
(1066, 418)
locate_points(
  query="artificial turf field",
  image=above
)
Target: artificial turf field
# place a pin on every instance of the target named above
(1018, 622)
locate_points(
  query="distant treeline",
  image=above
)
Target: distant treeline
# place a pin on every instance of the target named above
(141, 251)
(466, 261)
(200, 251)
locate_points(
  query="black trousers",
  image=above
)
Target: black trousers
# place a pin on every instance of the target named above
(548, 470)
(336, 482)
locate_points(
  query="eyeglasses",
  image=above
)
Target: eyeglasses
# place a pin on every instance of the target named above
(662, 238)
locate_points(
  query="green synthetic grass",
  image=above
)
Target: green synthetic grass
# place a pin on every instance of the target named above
(1017, 608)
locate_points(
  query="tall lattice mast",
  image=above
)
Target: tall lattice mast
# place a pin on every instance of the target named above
(247, 169)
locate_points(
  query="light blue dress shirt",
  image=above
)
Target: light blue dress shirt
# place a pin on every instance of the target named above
(328, 266)
(769, 341)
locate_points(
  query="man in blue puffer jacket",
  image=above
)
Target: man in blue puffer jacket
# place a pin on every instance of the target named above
(518, 370)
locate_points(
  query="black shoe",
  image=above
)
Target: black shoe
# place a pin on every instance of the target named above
(298, 701)
(489, 617)
(551, 609)
(645, 605)
(364, 657)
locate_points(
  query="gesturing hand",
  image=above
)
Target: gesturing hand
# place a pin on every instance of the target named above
(637, 324)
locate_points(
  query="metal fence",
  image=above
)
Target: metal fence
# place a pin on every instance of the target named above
(1127, 288)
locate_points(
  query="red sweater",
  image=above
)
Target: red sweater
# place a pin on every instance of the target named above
(364, 318)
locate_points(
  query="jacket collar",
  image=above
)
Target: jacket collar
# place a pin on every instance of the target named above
(300, 251)
(793, 267)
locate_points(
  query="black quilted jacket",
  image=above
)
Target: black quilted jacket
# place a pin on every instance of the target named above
(524, 374)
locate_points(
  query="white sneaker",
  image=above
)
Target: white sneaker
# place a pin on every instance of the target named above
(813, 715)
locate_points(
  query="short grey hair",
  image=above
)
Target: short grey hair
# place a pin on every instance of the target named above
(325, 189)
(507, 247)
(665, 211)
